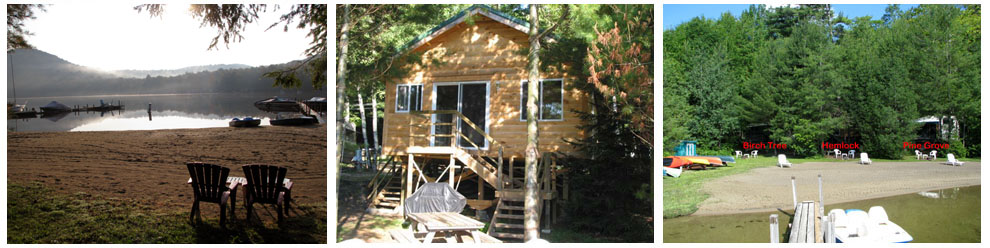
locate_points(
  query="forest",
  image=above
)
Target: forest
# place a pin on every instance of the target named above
(806, 75)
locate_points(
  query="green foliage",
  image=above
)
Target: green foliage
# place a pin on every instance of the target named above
(612, 190)
(802, 76)
(17, 14)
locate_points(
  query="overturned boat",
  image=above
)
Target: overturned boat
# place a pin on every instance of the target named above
(245, 122)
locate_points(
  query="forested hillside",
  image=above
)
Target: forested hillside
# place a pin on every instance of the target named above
(806, 75)
(38, 73)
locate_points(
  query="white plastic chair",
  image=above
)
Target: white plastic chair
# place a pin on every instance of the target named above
(953, 161)
(917, 154)
(851, 154)
(864, 159)
(837, 154)
(738, 154)
(753, 153)
(933, 157)
(782, 161)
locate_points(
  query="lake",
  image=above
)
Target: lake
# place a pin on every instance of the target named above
(939, 216)
(168, 111)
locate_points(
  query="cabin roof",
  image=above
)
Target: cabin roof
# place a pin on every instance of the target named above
(460, 17)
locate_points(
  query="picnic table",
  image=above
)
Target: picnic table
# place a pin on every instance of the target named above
(446, 222)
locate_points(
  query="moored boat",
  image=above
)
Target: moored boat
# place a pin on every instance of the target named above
(858, 226)
(245, 122)
(294, 121)
(55, 107)
(318, 104)
(276, 104)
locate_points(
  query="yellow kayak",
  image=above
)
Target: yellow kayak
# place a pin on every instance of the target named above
(696, 160)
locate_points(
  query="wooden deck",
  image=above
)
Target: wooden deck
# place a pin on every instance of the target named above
(806, 224)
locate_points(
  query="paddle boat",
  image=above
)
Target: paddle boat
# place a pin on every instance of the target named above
(245, 122)
(858, 226)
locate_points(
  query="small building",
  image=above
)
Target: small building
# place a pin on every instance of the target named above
(458, 115)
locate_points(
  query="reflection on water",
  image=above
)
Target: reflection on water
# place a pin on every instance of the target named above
(166, 112)
(952, 217)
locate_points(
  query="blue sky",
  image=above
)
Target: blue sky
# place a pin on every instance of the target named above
(675, 14)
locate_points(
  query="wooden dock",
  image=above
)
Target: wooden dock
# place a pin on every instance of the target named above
(806, 224)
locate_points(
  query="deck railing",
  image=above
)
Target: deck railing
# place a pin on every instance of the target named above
(455, 135)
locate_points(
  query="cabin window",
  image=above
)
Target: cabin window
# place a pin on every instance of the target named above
(408, 97)
(550, 101)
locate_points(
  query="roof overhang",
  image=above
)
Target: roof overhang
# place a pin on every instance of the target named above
(476, 9)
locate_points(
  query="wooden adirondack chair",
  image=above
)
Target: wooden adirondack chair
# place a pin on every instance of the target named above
(209, 183)
(265, 184)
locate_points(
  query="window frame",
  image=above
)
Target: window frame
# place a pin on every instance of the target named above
(539, 103)
(409, 101)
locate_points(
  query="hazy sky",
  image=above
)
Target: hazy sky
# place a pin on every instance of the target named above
(117, 37)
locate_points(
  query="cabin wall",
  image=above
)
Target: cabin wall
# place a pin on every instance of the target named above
(491, 52)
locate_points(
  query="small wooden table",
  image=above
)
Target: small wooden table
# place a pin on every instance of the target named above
(446, 222)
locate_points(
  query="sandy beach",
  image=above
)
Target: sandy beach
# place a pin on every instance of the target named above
(149, 166)
(766, 189)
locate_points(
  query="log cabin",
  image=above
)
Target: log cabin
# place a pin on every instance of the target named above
(458, 116)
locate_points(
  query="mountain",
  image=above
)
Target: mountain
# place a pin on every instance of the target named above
(37, 73)
(176, 72)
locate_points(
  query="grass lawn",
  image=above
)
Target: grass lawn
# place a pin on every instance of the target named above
(36, 214)
(682, 195)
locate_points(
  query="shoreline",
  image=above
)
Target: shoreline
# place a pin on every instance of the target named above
(769, 188)
(149, 165)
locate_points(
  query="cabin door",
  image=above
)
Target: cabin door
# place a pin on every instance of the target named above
(471, 100)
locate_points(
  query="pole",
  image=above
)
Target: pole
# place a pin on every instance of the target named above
(821, 197)
(794, 191)
(774, 229)
(12, 83)
(364, 131)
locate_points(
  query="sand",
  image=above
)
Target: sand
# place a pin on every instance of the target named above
(766, 189)
(149, 166)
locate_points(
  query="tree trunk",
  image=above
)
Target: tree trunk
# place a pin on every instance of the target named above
(374, 126)
(531, 216)
(341, 82)
(364, 131)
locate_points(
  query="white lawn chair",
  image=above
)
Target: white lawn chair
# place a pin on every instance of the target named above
(753, 153)
(852, 154)
(953, 161)
(933, 157)
(837, 154)
(864, 159)
(917, 154)
(782, 161)
(738, 154)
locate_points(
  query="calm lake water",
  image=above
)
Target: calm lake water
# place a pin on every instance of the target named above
(952, 217)
(171, 111)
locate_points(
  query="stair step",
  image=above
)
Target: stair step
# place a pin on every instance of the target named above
(505, 225)
(391, 193)
(388, 204)
(390, 198)
(507, 235)
(394, 188)
(511, 216)
(507, 207)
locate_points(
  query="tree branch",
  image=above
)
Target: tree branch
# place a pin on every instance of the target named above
(563, 18)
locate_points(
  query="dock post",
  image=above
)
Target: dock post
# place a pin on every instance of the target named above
(821, 197)
(774, 231)
(794, 191)
(830, 229)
